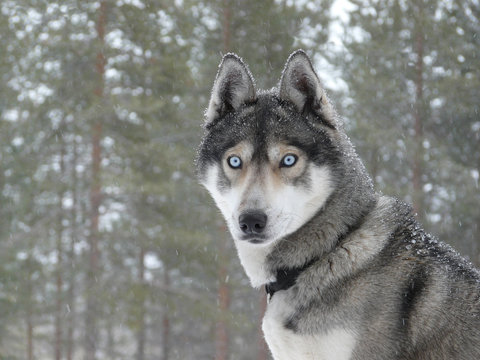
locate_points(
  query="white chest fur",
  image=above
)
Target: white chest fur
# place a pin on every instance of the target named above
(336, 344)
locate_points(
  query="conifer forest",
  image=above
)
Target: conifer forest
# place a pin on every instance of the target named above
(109, 248)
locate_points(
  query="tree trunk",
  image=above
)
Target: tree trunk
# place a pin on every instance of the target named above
(59, 299)
(92, 273)
(111, 341)
(29, 334)
(477, 224)
(71, 259)
(92, 311)
(221, 344)
(141, 334)
(374, 164)
(166, 319)
(227, 19)
(419, 114)
(29, 310)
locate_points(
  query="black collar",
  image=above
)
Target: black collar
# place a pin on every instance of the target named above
(286, 278)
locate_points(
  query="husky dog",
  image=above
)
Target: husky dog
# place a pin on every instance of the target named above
(349, 273)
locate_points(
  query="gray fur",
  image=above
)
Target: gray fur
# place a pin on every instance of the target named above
(233, 87)
(301, 86)
(400, 292)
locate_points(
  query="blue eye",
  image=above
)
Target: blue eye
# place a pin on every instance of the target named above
(288, 160)
(234, 162)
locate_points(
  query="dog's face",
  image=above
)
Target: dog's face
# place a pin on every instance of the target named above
(267, 160)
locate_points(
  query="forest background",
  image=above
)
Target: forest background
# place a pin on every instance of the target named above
(109, 249)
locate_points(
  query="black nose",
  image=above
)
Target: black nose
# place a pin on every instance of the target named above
(252, 222)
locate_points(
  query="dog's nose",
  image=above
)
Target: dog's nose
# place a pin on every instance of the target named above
(252, 222)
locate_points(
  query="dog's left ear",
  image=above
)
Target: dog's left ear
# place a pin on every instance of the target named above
(300, 85)
(233, 87)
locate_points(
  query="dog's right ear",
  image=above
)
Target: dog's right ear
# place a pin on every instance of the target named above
(233, 87)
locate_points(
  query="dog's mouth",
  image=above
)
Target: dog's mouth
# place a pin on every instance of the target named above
(257, 239)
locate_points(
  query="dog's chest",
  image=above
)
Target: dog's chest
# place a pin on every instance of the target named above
(285, 344)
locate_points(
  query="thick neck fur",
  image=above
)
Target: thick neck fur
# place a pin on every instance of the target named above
(352, 200)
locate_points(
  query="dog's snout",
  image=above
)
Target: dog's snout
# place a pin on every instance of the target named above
(252, 222)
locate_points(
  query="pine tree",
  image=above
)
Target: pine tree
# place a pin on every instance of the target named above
(456, 71)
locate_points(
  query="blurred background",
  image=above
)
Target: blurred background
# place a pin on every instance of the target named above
(109, 249)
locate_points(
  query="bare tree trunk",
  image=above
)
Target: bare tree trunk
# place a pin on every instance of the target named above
(59, 299)
(29, 334)
(166, 319)
(111, 341)
(92, 273)
(262, 353)
(141, 334)
(374, 165)
(71, 259)
(477, 224)
(92, 311)
(227, 19)
(29, 315)
(419, 114)
(221, 344)
(29, 300)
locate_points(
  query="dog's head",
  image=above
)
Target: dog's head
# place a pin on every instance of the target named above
(268, 158)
